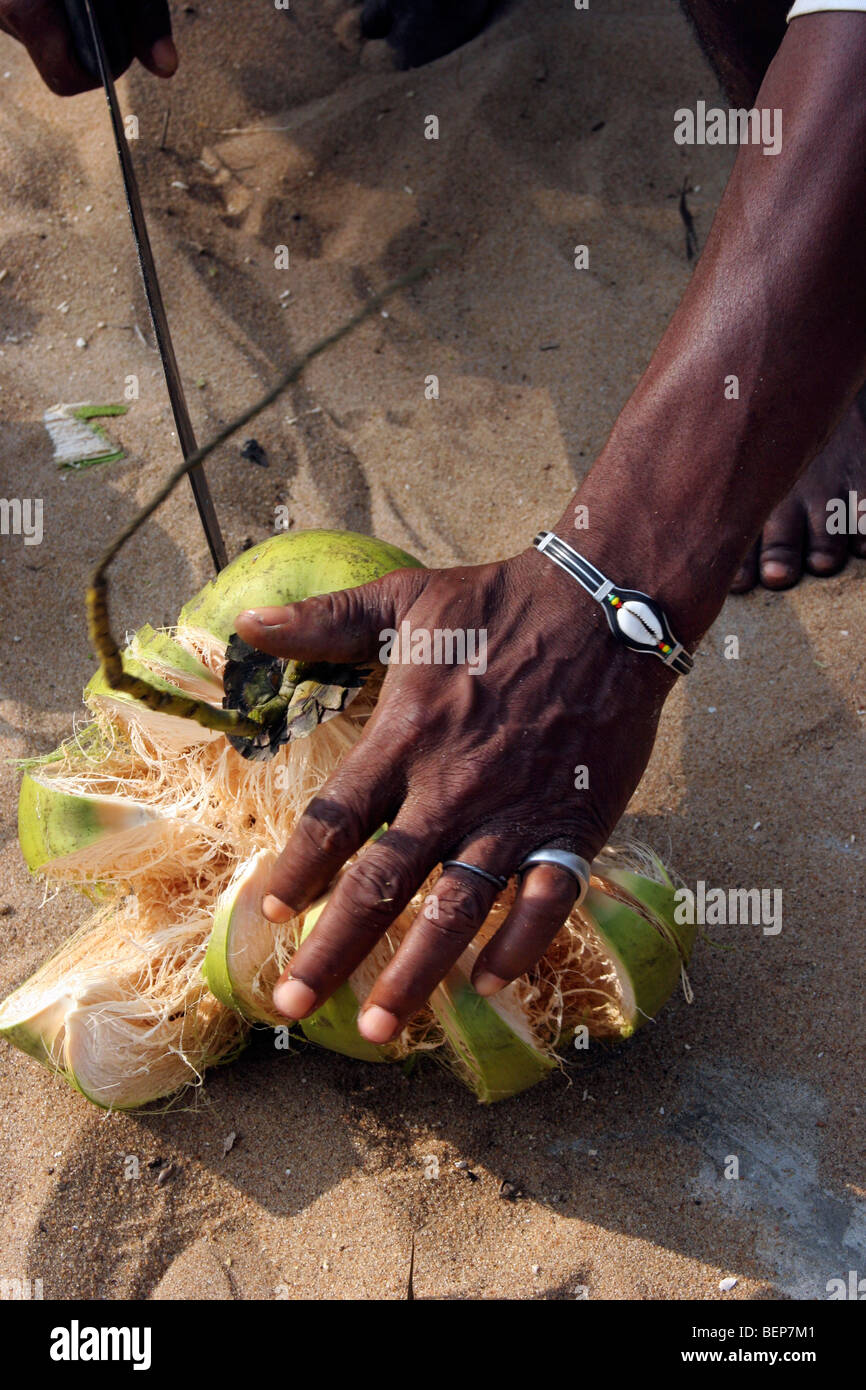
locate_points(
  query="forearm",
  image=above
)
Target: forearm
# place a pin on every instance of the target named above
(778, 301)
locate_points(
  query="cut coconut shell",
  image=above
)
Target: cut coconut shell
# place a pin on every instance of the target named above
(169, 667)
(335, 1025)
(83, 838)
(634, 917)
(491, 1046)
(242, 962)
(146, 800)
(120, 1011)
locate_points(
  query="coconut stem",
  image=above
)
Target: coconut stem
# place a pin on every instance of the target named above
(104, 644)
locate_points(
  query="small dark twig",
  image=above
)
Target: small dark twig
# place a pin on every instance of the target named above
(688, 221)
(410, 1287)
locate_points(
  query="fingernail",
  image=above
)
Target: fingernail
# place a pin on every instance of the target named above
(275, 910)
(294, 999)
(377, 1025)
(163, 55)
(268, 617)
(486, 983)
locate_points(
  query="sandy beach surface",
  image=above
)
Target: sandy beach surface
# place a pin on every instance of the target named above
(283, 128)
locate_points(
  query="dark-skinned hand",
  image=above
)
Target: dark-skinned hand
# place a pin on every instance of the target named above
(481, 767)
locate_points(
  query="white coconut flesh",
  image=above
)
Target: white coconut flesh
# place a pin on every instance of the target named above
(247, 953)
(118, 836)
(121, 1009)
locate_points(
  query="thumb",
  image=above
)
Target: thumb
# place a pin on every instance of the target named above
(348, 625)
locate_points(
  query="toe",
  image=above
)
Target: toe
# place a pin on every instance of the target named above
(782, 542)
(747, 575)
(825, 553)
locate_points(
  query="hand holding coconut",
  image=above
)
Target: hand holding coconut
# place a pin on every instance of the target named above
(461, 764)
(177, 825)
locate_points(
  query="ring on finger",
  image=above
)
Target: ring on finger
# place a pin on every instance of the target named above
(572, 864)
(496, 879)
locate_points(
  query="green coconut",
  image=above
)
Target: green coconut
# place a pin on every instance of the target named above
(648, 948)
(335, 1025)
(286, 568)
(491, 1044)
(151, 801)
(121, 1012)
(75, 836)
(181, 833)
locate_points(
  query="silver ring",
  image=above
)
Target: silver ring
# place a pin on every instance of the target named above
(563, 859)
(495, 879)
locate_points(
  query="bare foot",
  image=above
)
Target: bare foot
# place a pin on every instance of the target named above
(421, 30)
(795, 538)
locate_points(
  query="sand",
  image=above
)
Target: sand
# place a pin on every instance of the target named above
(555, 129)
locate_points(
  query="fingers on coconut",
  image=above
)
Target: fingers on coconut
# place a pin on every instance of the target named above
(451, 917)
(349, 625)
(545, 898)
(151, 37)
(41, 26)
(782, 543)
(364, 902)
(352, 805)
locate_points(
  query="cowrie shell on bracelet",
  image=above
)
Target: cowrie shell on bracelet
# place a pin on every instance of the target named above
(638, 621)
